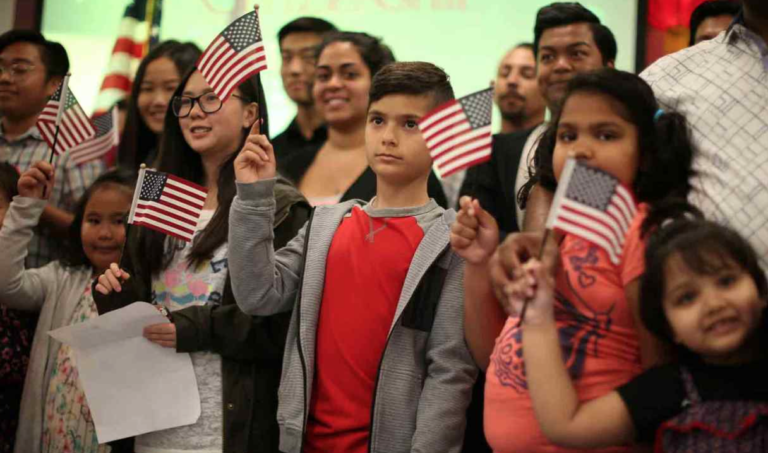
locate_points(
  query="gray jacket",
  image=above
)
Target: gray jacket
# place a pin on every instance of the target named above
(54, 290)
(426, 372)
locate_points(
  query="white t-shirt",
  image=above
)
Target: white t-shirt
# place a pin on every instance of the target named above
(526, 160)
(176, 288)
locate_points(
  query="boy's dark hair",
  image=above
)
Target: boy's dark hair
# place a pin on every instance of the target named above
(664, 143)
(52, 54)
(412, 78)
(138, 140)
(711, 8)
(305, 25)
(566, 13)
(178, 158)
(373, 51)
(72, 253)
(705, 247)
(9, 181)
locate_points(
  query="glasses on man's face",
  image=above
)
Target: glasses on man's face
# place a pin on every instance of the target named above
(16, 71)
(209, 103)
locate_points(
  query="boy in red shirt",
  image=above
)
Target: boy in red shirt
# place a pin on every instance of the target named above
(375, 359)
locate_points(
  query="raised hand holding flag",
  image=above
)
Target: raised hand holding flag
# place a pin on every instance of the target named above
(234, 56)
(593, 205)
(458, 133)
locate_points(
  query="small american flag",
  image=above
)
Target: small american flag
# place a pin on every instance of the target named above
(235, 55)
(168, 204)
(594, 206)
(458, 133)
(67, 115)
(106, 139)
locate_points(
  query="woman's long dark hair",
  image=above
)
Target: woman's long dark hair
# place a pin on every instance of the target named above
(138, 141)
(72, 253)
(666, 150)
(178, 158)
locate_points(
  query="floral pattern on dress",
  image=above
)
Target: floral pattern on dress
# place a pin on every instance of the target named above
(67, 425)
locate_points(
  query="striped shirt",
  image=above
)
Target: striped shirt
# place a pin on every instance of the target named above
(71, 182)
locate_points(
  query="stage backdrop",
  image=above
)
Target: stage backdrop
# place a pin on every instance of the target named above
(465, 37)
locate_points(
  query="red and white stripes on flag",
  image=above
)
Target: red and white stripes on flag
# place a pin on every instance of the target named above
(106, 139)
(167, 203)
(64, 113)
(594, 206)
(139, 27)
(458, 133)
(235, 55)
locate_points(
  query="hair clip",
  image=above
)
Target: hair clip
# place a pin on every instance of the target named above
(658, 115)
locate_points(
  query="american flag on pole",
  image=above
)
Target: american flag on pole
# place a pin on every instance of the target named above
(64, 113)
(458, 133)
(168, 204)
(106, 139)
(235, 55)
(139, 29)
(594, 206)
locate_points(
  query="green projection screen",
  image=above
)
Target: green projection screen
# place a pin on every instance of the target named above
(465, 37)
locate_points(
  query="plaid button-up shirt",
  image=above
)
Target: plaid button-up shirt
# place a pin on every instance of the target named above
(721, 86)
(71, 182)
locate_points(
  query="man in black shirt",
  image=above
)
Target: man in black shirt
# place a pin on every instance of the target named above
(298, 43)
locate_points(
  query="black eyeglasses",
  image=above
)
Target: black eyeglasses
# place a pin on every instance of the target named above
(209, 103)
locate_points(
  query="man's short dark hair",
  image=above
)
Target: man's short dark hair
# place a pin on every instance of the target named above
(711, 8)
(566, 13)
(305, 25)
(412, 78)
(525, 45)
(52, 54)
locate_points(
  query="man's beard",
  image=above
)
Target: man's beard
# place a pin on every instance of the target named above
(515, 117)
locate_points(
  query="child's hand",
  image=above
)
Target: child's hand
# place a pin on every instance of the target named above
(37, 182)
(110, 280)
(163, 334)
(256, 160)
(534, 284)
(475, 233)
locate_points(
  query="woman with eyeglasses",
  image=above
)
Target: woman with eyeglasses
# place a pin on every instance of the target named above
(236, 357)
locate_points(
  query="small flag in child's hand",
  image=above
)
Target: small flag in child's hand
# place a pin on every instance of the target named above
(594, 206)
(106, 139)
(458, 133)
(167, 203)
(235, 55)
(64, 112)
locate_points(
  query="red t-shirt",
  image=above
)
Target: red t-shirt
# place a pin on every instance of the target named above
(366, 268)
(597, 334)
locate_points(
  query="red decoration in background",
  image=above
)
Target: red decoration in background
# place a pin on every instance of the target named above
(665, 14)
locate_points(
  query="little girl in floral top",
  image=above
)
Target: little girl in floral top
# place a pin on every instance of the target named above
(61, 292)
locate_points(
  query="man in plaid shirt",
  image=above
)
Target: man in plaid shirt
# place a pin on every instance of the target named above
(31, 68)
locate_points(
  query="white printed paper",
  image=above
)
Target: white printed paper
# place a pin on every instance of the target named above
(132, 386)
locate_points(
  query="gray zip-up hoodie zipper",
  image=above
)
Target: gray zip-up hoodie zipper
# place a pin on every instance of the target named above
(426, 373)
